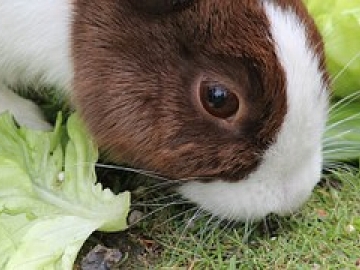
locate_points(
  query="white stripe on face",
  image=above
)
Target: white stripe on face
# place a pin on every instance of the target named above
(291, 167)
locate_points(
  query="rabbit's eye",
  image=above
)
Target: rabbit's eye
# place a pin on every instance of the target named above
(217, 100)
(161, 6)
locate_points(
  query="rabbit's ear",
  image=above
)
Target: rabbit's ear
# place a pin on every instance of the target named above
(160, 6)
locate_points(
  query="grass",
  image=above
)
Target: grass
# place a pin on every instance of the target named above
(318, 235)
(325, 234)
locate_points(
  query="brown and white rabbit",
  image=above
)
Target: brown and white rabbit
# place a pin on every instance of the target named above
(229, 95)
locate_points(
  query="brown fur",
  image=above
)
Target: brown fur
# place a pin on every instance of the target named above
(160, 6)
(136, 75)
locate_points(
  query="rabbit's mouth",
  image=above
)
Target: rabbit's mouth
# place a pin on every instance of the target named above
(270, 189)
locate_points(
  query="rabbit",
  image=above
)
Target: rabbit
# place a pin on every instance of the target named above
(229, 98)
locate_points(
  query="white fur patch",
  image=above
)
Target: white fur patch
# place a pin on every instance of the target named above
(35, 42)
(292, 166)
(34, 50)
(25, 111)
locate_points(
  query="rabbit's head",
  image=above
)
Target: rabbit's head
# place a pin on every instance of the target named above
(229, 96)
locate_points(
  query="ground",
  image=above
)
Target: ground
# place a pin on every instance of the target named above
(325, 234)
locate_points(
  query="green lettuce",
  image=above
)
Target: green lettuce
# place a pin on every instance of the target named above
(339, 23)
(49, 199)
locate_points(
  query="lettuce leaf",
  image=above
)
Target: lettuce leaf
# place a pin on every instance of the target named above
(339, 23)
(49, 199)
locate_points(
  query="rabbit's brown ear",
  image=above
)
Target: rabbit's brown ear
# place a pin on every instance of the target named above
(160, 6)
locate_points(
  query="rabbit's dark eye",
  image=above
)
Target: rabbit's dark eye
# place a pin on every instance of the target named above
(217, 100)
(160, 6)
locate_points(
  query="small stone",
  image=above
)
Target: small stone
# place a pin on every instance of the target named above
(101, 258)
(273, 238)
(350, 228)
(61, 177)
(321, 213)
(135, 216)
(357, 263)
